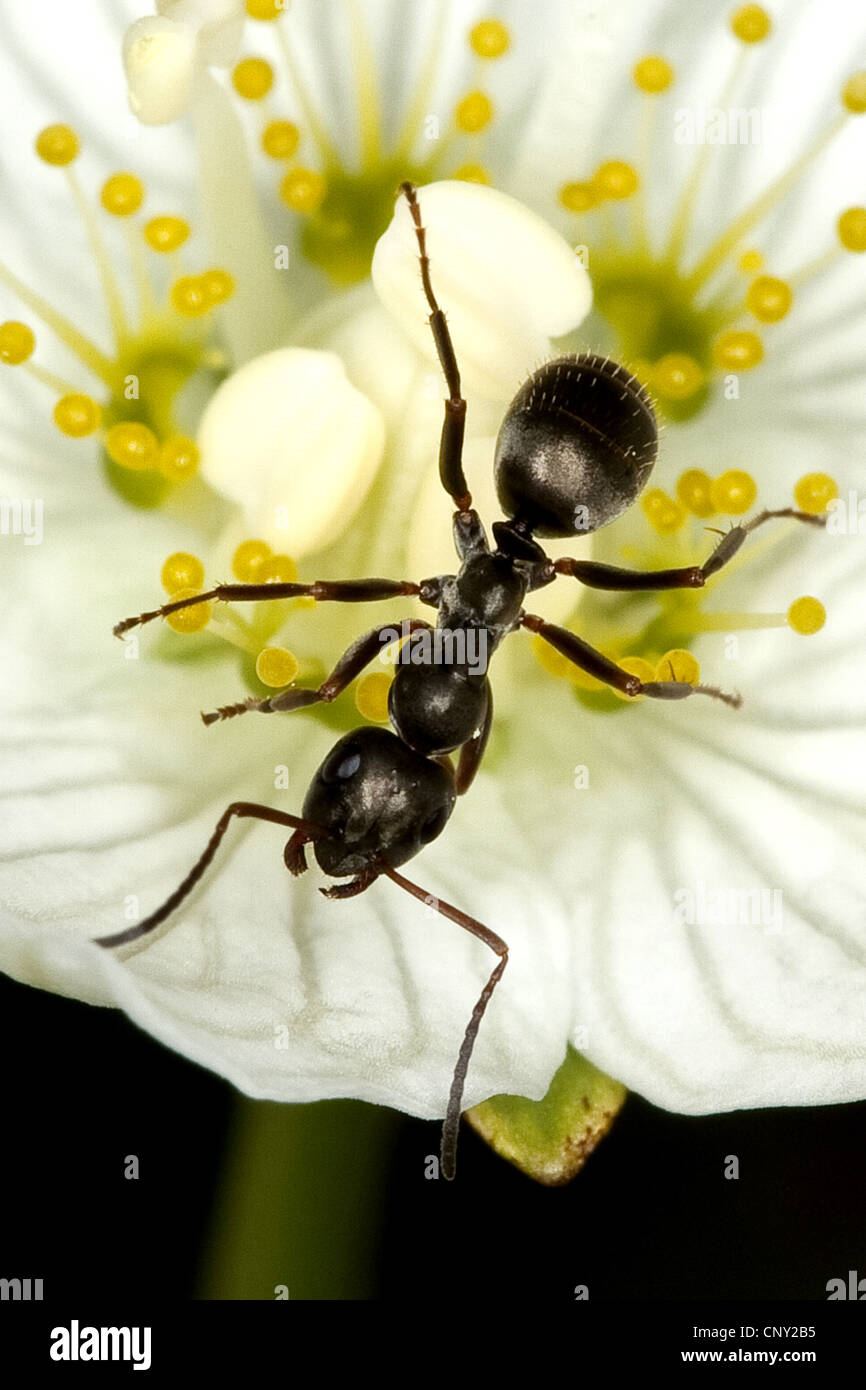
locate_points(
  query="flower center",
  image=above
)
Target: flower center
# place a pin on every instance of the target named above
(146, 455)
(687, 327)
(345, 207)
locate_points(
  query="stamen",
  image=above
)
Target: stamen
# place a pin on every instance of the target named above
(132, 445)
(489, 38)
(266, 9)
(165, 234)
(677, 376)
(694, 490)
(733, 493)
(17, 342)
(58, 145)
(615, 179)
(472, 173)
(371, 697)
(738, 350)
(122, 195)
(189, 296)
(579, 196)
(653, 74)
(252, 78)
(769, 298)
(189, 620)
(303, 190)
(473, 113)
(77, 415)
(178, 459)
(750, 261)
(248, 561)
(218, 285)
(278, 569)
(280, 139)
(806, 616)
(852, 229)
(276, 666)
(854, 94)
(678, 665)
(662, 512)
(814, 493)
(751, 24)
(182, 572)
(369, 115)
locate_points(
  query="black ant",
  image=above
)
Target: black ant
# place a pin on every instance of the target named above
(575, 448)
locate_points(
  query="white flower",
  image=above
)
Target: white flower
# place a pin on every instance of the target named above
(621, 900)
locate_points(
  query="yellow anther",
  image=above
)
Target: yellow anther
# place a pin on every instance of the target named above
(122, 195)
(189, 619)
(677, 376)
(371, 696)
(218, 285)
(806, 615)
(303, 190)
(854, 94)
(750, 261)
(678, 665)
(181, 571)
(266, 9)
(852, 229)
(166, 233)
(694, 490)
(489, 38)
(653, 74)
(615, 179)
(734, 492)
(253, 78)
(814, 492)
(16, 342)
(189, 296)
(276, 666)
(769, 299)
(578, 196)
(738, 350)
(751, 23)
(77, 415)
(57, 144)
(636, 666)
(549, 659)
(662, 512)
(472, 173)
(280, 139)
(248, 560)
(178, 458)
(132, 445)
(278, 569)
(473, 112)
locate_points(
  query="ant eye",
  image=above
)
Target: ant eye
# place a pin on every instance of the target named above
(342, 765)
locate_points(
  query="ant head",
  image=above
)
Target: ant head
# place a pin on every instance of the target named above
(576, 446)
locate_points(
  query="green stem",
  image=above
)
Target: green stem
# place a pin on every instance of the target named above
(301, 1202)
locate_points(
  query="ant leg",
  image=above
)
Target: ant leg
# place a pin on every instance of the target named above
(573, 648)
(473, 751)
(351, 663)
(454, 425)
(448, 1152)
(693, 577)
(322, 590)
(237, 808)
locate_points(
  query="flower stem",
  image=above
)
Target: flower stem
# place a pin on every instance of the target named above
(301, 1201)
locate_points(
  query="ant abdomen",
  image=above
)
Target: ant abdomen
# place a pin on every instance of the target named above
(576, 446)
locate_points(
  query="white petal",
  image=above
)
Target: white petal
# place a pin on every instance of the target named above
(218, 25)
(507, 282)
(159, 56)
(292, 440)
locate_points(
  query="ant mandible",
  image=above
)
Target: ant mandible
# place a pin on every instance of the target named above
(575, 448)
